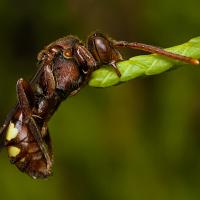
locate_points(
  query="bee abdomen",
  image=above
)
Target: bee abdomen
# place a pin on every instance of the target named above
(24, 151)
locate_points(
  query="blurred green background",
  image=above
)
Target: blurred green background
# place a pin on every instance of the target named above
(139, 140)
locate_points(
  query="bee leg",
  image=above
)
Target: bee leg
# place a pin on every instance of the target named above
(49, 81)
(25, 98)
(26, 102)
(85, 58)
(74, 92)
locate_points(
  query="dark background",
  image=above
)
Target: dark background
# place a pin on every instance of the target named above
(139, 140)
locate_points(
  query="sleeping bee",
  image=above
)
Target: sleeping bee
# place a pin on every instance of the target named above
(64, 67)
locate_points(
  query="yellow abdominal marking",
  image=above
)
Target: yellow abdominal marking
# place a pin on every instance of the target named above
(11, 132)
(13, 151)
(22, 160)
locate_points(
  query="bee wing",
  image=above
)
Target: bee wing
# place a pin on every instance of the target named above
(41, 168)
(47, 140)
(39, 139)
(2, 135)
(5, 126)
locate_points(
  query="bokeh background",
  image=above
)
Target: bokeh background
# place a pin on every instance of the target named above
(139, 140)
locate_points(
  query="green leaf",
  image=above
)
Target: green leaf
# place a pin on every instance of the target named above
(144, 65)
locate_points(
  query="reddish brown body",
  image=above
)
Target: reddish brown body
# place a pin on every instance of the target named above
(30, 158)
(64, 67)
